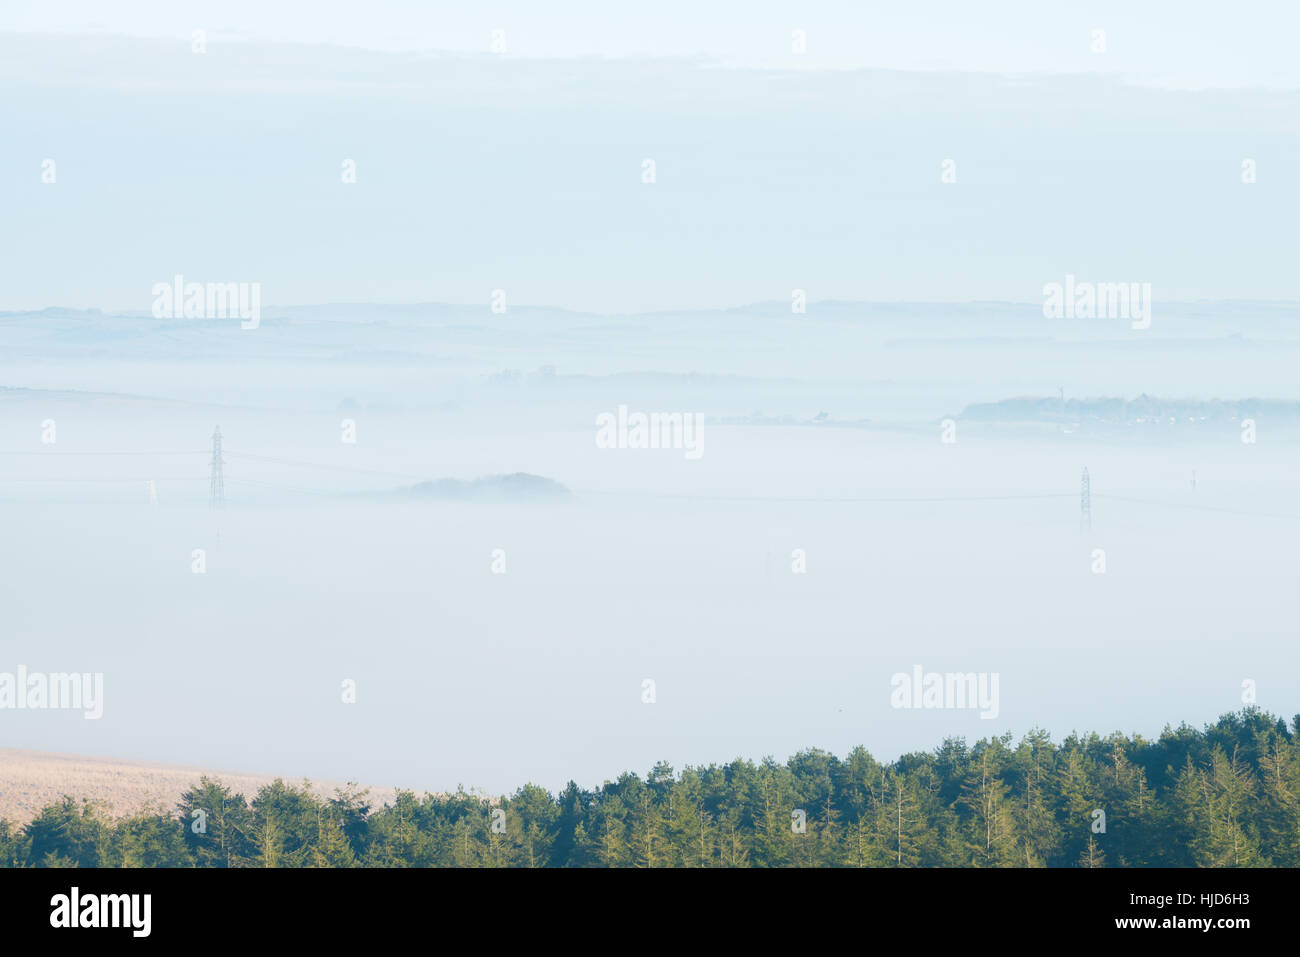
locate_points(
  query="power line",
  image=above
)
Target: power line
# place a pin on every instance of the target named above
(143, 478)
(216, 485)
(121, 452)
(332, 468)
(1199, 508)
(290, 488)
(795, 498)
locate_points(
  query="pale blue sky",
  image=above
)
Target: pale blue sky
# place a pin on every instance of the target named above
(523, 172)
(1190, 43)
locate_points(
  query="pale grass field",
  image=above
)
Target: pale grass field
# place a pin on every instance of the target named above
(29, 780)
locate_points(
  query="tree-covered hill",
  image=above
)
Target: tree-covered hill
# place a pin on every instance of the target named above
(1222, 797)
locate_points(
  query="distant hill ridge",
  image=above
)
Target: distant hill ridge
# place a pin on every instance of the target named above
(29, 780)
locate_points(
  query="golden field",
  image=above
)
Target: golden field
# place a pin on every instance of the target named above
(29, 780)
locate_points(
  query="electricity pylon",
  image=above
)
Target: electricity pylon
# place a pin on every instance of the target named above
(1085, 503)
(217, 487)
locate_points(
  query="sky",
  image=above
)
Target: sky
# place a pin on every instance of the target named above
(916, 153)
(1186, 44)
(524, 171)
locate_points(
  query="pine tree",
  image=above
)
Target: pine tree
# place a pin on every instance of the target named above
(1233, 783)
(647, 834)
(216, 824)
(993, 839)
(829, 851)
(1279, 809)
(1092, 854)
(733, 848)
(14, 846)
(613, 842)
(332, 848)
(70, 830)
(1037, 814)
(269, 838)
(531, 819)
(1078, 797)
(898, 820)
(149, 838)
(583, 849)
(351, 807)
(689, 832)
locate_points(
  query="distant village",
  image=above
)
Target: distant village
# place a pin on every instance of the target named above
(1144, 410)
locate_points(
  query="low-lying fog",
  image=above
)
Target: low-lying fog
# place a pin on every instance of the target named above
(497, 642)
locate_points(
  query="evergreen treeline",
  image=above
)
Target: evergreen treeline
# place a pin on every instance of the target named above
(1228, 796)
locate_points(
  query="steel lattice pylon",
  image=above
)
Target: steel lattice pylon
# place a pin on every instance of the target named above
(1085, 502)
(217, 487)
